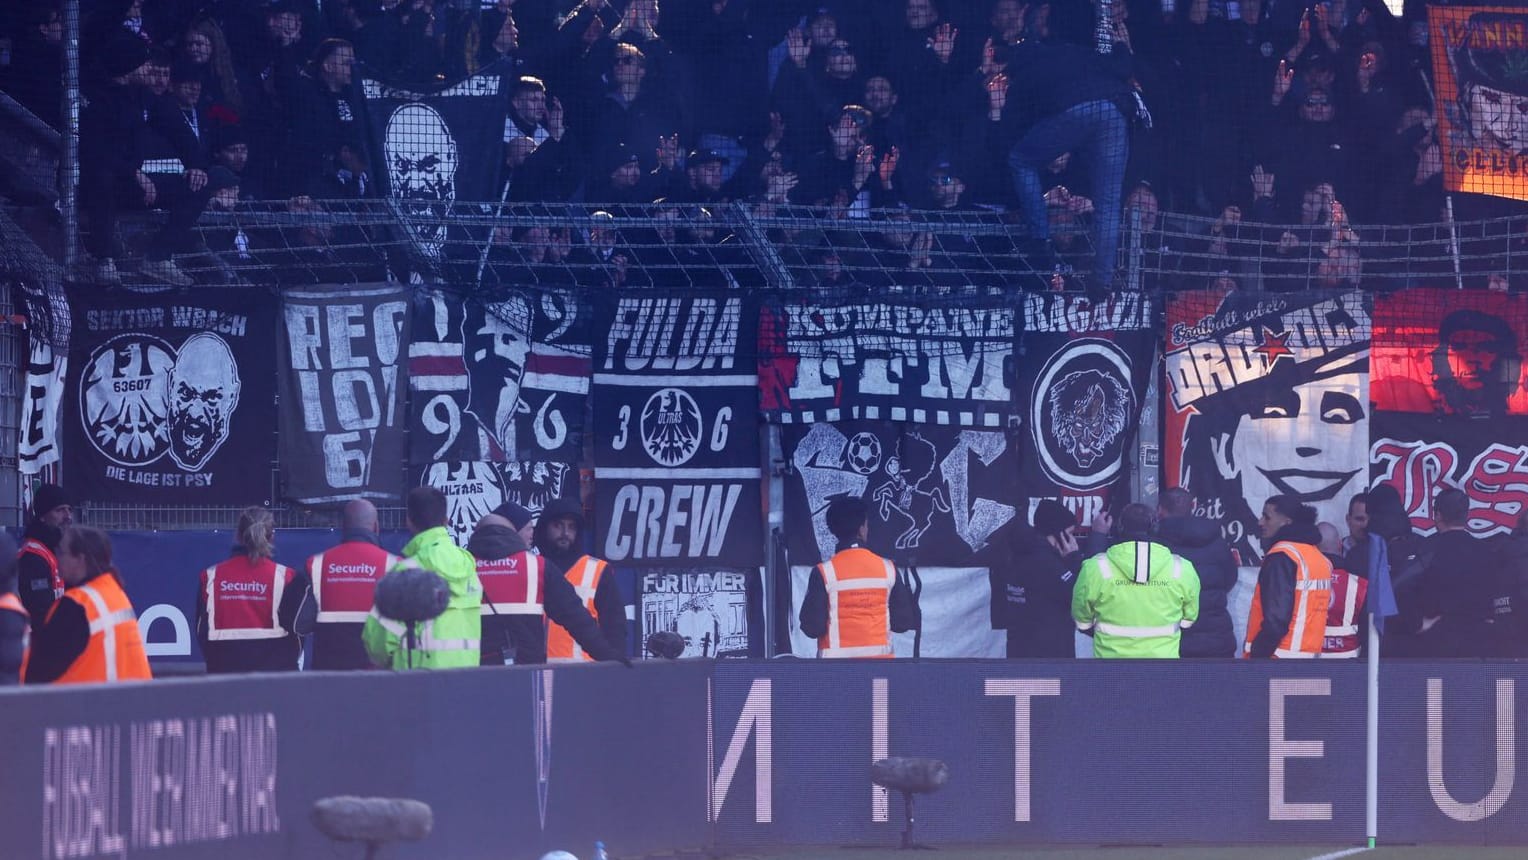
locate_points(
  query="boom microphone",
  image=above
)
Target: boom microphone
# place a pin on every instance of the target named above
(666, 644)
(373, 820)
(412, 594)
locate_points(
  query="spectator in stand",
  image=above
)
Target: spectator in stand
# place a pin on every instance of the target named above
(112, 126)
(1032, 584)
(602, 262)
(631, 113)
(185, 103)
(205, 48)
(250, 611)
(1198, 540)
(1311, 143)
(35, 76)
(269, 58)
(809, 97)
(726, 61)
(703, 176)
(156, 76)
(91, 634)
(15, 621)
(847, 164)
(325, 135)
(546, 168)
(230, 150)
(618, 179)
(1075, 100)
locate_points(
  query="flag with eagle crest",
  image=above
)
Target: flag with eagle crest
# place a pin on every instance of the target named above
(676, 431)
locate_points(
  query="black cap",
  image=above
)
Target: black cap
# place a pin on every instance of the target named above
(620, 156)
(517, 515)
(1052, 517)
(704, 156)
(48, 496)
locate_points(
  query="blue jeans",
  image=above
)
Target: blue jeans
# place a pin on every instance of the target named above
(1098, 133)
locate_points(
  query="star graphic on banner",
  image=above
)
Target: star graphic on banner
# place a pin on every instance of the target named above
(1273, 346)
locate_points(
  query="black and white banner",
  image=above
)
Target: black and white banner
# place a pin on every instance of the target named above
(498, 381)
(1084, 378)
(708, 607)
(676, 451)
(944, 364)
(437, 146)
(42, 391)
(342, 425)
(171, 400)
(474, 489)
(936, 494)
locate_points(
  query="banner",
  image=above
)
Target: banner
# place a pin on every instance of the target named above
(1478, 57)
(474, 489)
(42, 387)
(498, 381)
(709, 608)
(1084, 377)
(171, 400)
(948, 364)
(1450, 352)
(1451, 410)
(936, 494)
(1266, 395)
(342, 425)
(438, 146)
(676, 451)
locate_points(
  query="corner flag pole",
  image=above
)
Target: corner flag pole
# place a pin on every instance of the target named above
(1371, 765)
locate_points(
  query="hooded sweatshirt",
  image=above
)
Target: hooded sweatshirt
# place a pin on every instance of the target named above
(609, 607)
(1198, 540)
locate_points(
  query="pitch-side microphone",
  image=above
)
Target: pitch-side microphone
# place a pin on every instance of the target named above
(375, 821)
(412, 594)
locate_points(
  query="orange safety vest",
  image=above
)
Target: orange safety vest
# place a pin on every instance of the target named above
(115, 649)
(1349, 591)
(859, 604)
(513, 585)
(12, 603)
(244, 599)
(345, 581)
(1313, 594)
(33, 546)
(585, 575)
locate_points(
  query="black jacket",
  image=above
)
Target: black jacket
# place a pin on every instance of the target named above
(905, 614)
(1510, 625)
(1199, 541)
(259, 655)
(13, 627)
(1050, 77)
(525, 635)
(34, 576)
(115, 125)
(1457, 589)
(1032, 596)
(609, 606)
(1276, 589)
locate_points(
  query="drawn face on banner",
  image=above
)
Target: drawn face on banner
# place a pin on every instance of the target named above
(497, 339)
(1476, 366)
(204, 392)
(1080, 409)
(421, 162)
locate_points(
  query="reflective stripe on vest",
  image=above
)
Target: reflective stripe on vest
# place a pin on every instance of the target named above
(114, 651)
(1312, 597)
(532, 602)
(273, 631)
(354, 614)
(40, 549)
(561, 647)
(834, 646)
(1141, 575)
(1342, 637)
(12, 603)
(424, 636)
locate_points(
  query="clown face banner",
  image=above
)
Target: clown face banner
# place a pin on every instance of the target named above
(171, 401)
(1266, 395)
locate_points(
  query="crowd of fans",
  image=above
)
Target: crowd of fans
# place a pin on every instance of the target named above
(1268, 111)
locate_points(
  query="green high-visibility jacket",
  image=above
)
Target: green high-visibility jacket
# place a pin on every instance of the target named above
(1136, 598)
(449, 641)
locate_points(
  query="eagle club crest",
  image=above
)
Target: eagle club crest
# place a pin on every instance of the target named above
(671, 427)
(1080, 412)
(142, 399)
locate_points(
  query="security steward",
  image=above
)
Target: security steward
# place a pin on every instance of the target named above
(248, 609)
(91, 635)
(15, 621)
(1136, 598)
(521, 590)
(1294, 587)
(344, 583)
(38, 583)
(559, 534)
(1345, 615)
(855, 600)
(452, 639)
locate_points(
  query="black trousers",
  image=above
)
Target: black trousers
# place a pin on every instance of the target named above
(103, 195)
